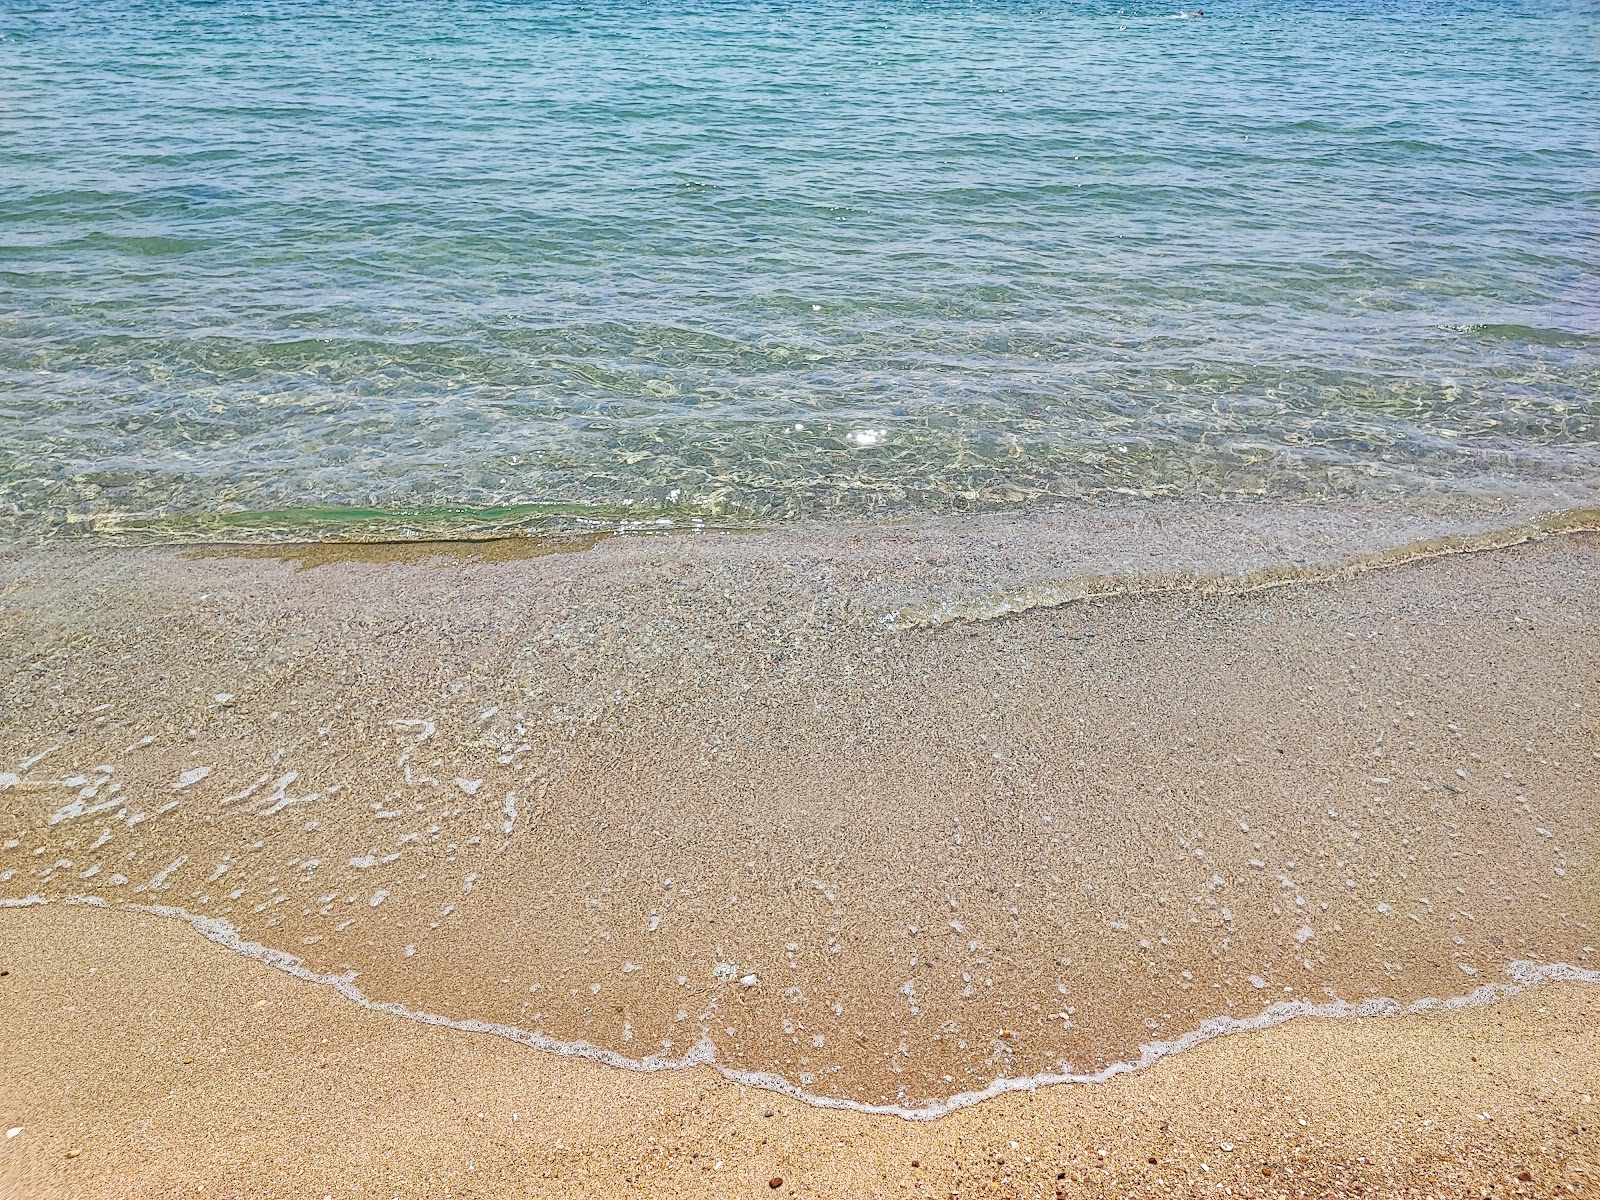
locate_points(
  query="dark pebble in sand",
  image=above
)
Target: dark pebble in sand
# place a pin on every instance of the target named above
(775, 1182)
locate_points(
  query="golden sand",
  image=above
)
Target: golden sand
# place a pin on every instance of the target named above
(142, 1061)
(681, 799)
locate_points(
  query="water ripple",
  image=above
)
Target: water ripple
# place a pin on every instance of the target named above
(758, 261)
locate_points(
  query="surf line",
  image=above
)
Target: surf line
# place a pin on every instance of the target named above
(1524, 975)
(1088, 588)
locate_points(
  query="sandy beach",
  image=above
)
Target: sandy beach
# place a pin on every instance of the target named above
(680, 800)
(142, 1061)
(833, 600)
(896, 823)
(686, 796)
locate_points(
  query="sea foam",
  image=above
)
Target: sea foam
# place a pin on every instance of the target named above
(1522, 975)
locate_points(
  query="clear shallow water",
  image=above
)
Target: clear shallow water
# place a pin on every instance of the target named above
(497, 265)
(681, 793)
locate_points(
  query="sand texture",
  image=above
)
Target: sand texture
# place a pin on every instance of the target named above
(142, 1061)
(900, 820)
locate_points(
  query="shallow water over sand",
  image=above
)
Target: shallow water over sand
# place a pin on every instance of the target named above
(669, 793)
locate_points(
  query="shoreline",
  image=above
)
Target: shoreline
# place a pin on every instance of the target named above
(675, 795)
(1489, 512)
(693, 804)
(959, 602)
(148, 1062)
(1524, 977)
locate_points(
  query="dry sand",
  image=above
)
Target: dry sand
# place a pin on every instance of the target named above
(140, 1060)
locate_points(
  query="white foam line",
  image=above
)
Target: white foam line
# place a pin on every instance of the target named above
(703, 1053)
(191, 777)
(247, 793)
(27, 764)
(158, 882)
(79, 808)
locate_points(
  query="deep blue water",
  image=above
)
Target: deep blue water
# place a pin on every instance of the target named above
(264, 264)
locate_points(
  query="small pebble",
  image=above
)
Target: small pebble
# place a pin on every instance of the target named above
(775, 1182)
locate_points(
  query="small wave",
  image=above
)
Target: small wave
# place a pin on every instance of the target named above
(1535, 335)
(703, 1053)
(556, 523)
(1079, 589)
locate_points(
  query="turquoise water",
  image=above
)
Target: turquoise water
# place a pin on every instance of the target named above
(497, 264)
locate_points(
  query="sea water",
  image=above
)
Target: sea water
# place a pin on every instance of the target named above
(1236, 330)
(382, 269)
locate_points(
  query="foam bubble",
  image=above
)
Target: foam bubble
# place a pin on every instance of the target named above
(191, 777)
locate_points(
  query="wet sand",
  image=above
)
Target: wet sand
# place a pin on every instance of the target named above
(692, 797)
(900, 820)
(142, 1061)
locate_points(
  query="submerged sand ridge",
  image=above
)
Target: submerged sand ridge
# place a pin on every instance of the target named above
(680, 793)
